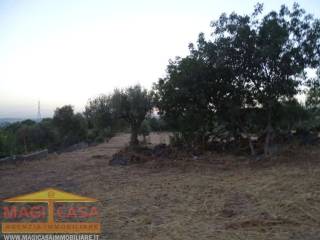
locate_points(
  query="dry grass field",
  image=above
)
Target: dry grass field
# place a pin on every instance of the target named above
(209, 197)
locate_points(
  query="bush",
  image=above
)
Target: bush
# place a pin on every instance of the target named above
(72, 128)
(157, 124)
(145, 130)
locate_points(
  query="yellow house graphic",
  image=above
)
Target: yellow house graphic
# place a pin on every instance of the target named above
(51, 196)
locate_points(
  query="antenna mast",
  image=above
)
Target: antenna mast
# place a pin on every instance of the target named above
(39, 112)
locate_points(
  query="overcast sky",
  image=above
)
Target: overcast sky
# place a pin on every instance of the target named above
(64, 52)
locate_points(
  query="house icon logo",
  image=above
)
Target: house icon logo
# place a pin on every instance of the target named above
(37, 213)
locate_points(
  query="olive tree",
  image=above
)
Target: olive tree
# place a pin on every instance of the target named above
(132, 104)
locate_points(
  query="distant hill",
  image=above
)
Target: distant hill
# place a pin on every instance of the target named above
(6, 121)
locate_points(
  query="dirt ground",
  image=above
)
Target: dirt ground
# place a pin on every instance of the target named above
(210, 197)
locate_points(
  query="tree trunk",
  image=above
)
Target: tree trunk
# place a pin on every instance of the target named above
(134, 137)
(253, 152)
(269, 132)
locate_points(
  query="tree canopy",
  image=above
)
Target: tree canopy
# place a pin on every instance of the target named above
(132, 104)
(240, 77)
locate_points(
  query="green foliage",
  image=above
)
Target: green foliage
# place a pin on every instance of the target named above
(102, 117)
(182, 96)
(144, 129)
(104, 134)
(132, 105)
(115, 112)
(3, 142)
(27, 136)
(98, 112)
(72, 128)
(239, 78)
(49, 137)
(243, 80)
(313, 93)
(291, 115)
(157, 124)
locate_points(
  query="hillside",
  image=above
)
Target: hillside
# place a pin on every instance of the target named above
(211, 197)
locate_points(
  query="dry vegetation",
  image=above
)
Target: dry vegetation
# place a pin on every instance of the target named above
(209, 197)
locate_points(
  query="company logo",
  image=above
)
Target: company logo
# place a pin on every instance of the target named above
(50, 211)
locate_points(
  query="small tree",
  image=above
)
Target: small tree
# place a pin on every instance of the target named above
(63, 119)
(98, 112)
(132, 104)
(71, 127)
(145, 130)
